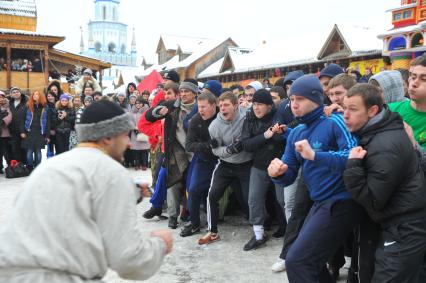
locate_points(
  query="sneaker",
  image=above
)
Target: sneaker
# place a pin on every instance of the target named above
(279, 265)
(149, 214)
(189, 230)
(173, 222)
(254, 244)
(209, 238)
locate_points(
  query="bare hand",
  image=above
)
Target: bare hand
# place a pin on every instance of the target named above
(279, 129)
(163, 111)
(357, 153)
(24, 136)
(410, 133)
(268, 134)
(64, 114)
(277, 168)
(166, 236)
(328, 110)
(304, 148)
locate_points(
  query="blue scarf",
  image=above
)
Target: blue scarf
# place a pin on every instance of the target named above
(311, 116)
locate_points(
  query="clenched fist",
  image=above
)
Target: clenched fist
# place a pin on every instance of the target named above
(277, 168)
(304, 148)
(357, 153)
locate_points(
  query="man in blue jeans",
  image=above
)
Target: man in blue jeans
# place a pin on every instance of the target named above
(320, 145)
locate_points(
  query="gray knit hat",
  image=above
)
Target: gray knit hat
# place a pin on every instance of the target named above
(103, 119)
(189, 86)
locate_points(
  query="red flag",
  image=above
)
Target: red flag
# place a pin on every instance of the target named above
(150, 82)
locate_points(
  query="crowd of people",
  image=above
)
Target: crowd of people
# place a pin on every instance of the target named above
(29, 123)
(22, 65)
(337, 160)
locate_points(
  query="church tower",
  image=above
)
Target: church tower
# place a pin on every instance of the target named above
(108, 36)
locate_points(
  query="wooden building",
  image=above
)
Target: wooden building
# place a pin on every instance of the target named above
(27, 58)
(39, 49)
(342, 46)
(406, 40)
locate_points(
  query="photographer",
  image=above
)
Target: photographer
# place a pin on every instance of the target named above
(64, 120)
(5, 119)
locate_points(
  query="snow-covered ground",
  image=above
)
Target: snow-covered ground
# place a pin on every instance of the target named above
(223, 261)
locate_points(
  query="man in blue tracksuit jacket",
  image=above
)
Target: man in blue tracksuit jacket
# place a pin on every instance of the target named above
(320, 145)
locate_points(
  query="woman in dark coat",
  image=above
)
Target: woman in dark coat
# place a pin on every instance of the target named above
(51, 145)
(64, 120)
(35, 127)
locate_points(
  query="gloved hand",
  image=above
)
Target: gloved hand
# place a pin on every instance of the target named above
(214, 143)
(235, 147)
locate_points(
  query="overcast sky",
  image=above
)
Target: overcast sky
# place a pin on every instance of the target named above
(247, 22)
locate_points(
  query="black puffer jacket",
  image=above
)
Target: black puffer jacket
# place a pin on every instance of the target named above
(198, 137)
(65, 125)
(264, 150)
(388, 182)
(17, 113)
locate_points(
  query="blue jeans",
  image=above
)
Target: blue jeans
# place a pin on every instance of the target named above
(33, 157)
(160, 191)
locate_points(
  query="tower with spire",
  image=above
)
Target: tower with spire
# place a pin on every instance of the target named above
(107, 36)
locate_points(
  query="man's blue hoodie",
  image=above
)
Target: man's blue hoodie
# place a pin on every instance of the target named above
(331, 141)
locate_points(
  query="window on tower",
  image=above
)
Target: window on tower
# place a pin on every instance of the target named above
(98, 47)
(111, 47)
(104, 13)
(123, 48)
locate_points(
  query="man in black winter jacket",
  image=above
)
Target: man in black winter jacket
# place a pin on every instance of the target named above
(17, 104)
(262, 136)
(384, 176)
(198, 141)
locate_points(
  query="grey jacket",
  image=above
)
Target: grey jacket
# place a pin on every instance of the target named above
(226, 133)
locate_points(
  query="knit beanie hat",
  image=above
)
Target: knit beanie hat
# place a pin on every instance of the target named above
(172, 75)
(65, 96)
(256, 85)
(214, 87)
(88, 72)
(309, 87)
(292, 76)
(88, 98)
(331, 71)
(132, 95)
(263, 96)
(189, 84)
(103, 119)
(14, 88)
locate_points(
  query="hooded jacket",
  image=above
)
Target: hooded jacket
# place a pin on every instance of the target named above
(392, 84)
(388, 182)
(225, 133)
(254, 141)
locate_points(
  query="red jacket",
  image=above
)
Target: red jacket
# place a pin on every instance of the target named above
(155, 130)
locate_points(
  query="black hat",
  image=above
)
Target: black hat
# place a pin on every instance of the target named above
(103, 119)
(172, 75)
(263, 96)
